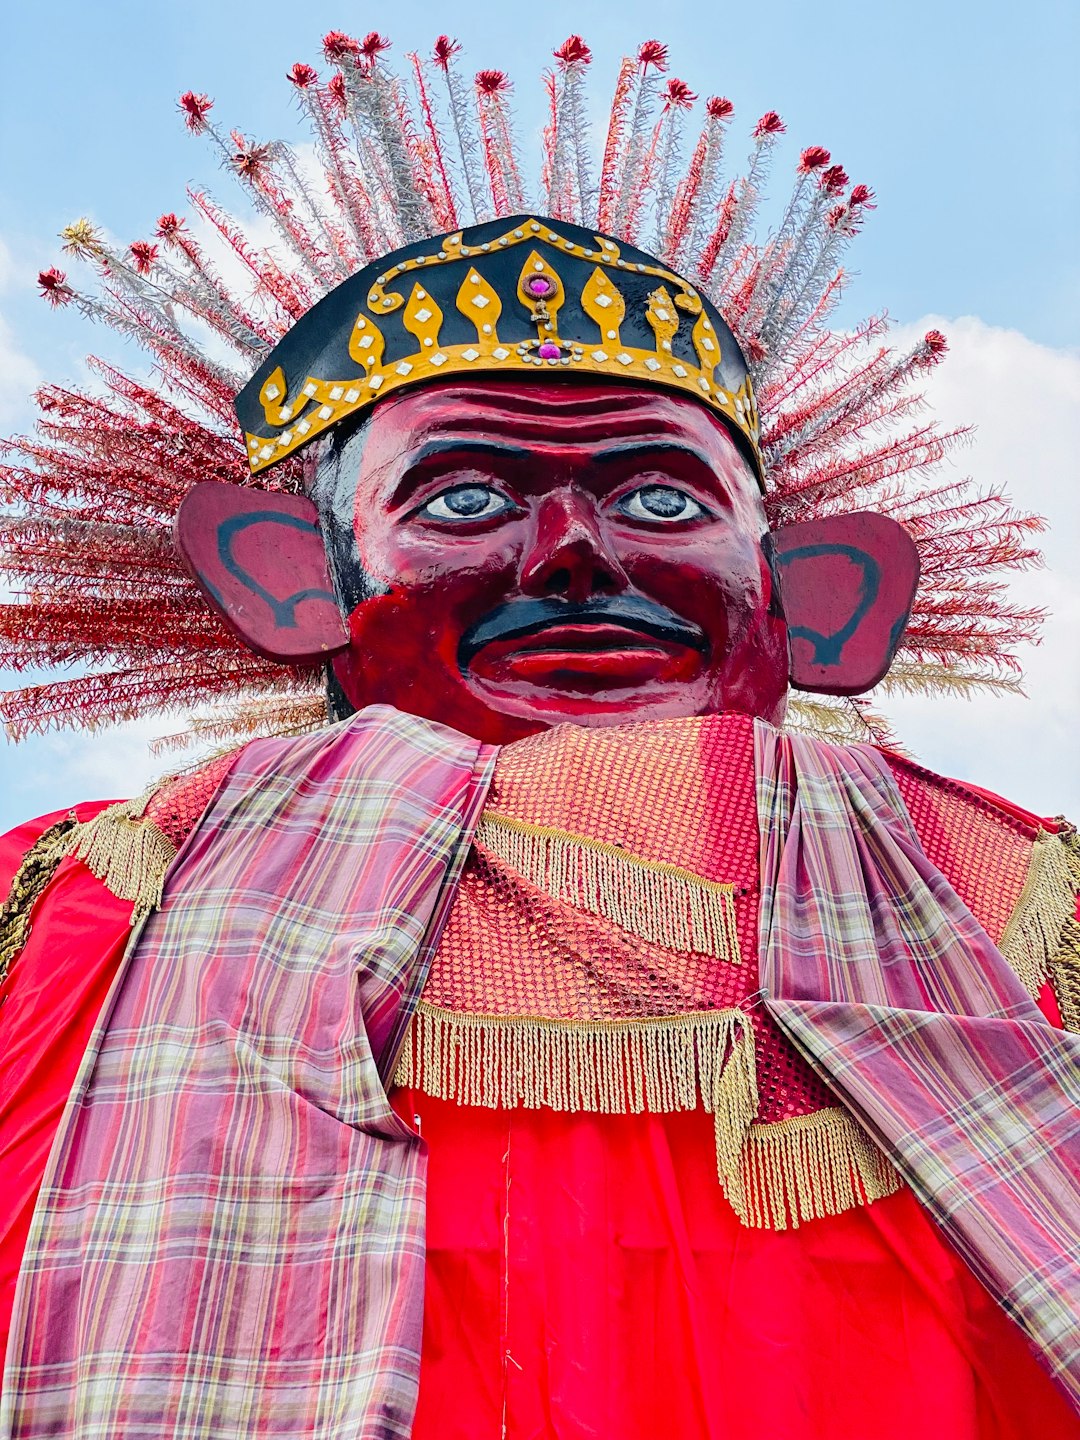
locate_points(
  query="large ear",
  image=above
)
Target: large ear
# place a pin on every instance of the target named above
(847, 584)
(258, 558)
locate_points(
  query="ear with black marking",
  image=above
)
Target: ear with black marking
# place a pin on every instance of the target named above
(847, 584)
(258, 557)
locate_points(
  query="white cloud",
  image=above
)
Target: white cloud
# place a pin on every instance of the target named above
(1024, 399)
(48, 772)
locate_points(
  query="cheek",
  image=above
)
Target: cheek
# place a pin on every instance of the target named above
(437, 586)
(719, 579)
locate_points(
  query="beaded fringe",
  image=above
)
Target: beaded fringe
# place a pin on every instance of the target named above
(38, 867)
(1064, 966)
(1037, 942)
(124, 850)
(661, 903)
(127, 853)
(810, 1166)
(774, 1176)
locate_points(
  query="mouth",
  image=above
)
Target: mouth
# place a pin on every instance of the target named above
(609, 643)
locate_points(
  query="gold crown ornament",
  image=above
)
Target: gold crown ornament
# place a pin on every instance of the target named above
(523, 295)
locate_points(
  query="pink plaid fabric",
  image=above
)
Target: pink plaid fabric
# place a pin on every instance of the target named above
(883, 979)
(230, 1237)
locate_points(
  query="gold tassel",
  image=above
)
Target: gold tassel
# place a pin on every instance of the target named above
(127, 853)
(665, 904)
(1065, 976)
(610, 1067)
(810, 1166)
(38, 867)
(1034, 934)
(775, 1176)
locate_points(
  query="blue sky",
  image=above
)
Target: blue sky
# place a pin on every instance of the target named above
(964, 117)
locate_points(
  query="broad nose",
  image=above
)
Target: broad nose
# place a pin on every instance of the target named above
(569, 557)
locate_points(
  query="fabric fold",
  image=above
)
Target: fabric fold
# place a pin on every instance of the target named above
(884, 981)
(230, 1234)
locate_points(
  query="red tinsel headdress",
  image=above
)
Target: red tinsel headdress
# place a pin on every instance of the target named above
(90, 498)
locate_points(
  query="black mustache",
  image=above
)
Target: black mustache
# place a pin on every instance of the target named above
(526, 617)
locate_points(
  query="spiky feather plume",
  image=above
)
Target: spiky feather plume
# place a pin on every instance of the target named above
(84, 537)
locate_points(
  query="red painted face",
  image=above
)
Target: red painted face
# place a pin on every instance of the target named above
(559, 552)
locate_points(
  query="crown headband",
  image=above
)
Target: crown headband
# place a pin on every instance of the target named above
(522, 295)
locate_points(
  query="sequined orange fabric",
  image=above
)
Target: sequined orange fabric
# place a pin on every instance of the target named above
(680, 792)
(683, 793)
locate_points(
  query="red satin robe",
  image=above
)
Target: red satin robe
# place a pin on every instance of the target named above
(586, 1277)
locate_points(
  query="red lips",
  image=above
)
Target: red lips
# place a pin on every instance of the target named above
(585, 656)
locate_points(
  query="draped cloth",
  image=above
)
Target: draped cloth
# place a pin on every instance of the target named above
(885, 982)
(229, 1239)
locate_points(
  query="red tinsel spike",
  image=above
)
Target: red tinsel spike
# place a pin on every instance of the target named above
(339, 47)
(769, 124)
(719, 108)
(614, 142)
(833, 180)
(652, 54)
(372, 46)
(289, 291)
(335, 88)
(144, 255)
(677, 95)
(492, 82)
(814, 157)
(862, 197)
(302, 76)
(721, 230)
(445, 50)
(170, 226)
(195, 109)
(445, 208)
(54, 286)
(573, 51)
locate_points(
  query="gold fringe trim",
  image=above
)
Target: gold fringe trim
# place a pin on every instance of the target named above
(607, 1067)
(1034, 935)
(127, 853)
(813, 1165)
(665, 904)
(1065, 976)
(1064, 966)
(38, 867)
(774, 1176)
(119, 846)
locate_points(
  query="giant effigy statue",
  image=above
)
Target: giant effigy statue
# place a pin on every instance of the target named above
(556, 1008)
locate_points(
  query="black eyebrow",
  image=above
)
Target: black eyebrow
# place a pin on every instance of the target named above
(633, 448)
(413, 477)
(469, 447)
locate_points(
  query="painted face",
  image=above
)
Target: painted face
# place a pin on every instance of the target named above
(551, 553)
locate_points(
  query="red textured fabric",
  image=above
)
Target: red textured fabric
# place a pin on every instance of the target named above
(48, 1006)
(586, 1278)
(633, 1287)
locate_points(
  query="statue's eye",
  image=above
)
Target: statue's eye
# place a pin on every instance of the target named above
(662, 503)
(465, 502)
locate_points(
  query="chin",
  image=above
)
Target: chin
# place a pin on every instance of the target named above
(525, 709)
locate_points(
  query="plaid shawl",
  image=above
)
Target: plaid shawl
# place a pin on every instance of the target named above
(229, 1240)
(886, 983)
(230, 1235)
